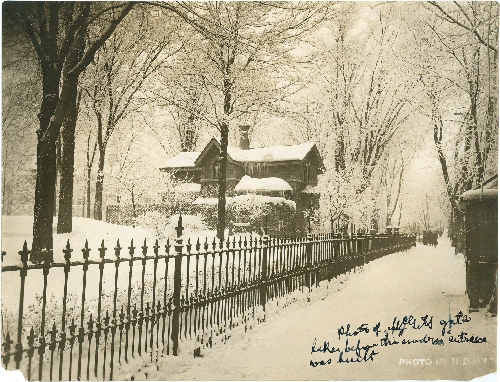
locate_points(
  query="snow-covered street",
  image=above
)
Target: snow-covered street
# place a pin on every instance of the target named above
(424, 281)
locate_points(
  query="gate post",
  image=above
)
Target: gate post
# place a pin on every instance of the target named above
(264, 275)
(177, 288)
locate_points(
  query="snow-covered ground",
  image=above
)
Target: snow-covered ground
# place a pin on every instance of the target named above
(17, 229)
(422, 281)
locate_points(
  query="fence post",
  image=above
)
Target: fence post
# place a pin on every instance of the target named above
(177, 288)
(309, 245)
(23, 273)
(263, 287)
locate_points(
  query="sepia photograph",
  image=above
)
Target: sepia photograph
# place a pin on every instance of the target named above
(249, 190)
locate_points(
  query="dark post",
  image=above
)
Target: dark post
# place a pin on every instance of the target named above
(221, 206)
(23, 273)
(177, 288)
(309, 245)
(263, 287)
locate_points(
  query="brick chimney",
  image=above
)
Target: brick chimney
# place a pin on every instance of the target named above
(244, 140)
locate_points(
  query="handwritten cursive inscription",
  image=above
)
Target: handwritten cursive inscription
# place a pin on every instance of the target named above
(353, 350)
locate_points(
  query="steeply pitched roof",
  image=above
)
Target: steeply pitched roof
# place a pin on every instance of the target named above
(184, 159)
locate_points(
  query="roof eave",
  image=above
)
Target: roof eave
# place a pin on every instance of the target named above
(204, 151)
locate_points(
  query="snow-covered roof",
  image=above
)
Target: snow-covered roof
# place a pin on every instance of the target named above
(489, 190)
(491, 183)
(248, 183)
(271, 154)
(184, 159)
(256, 155)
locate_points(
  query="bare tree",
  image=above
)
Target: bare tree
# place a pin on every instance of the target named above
(121, 70)
(392, 178)
(187, 109)
(366, 99)
(20, 85)
(466, 34)
(56, 30)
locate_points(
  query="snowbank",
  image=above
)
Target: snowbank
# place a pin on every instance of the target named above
(188, 187)
(248, 183)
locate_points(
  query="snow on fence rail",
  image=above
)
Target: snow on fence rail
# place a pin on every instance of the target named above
(190, 294)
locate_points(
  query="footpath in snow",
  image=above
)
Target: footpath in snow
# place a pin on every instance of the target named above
(424, 281)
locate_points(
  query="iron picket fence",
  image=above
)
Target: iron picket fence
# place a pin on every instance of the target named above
(186, 297)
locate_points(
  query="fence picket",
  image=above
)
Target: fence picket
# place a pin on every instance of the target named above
(115, 295)
(102, 253)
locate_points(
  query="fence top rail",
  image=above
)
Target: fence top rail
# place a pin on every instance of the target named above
(9, 268)
(115, 255)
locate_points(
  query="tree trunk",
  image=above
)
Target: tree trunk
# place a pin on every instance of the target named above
(340, 153)
(134, 214)
(90, 162)
(393, 209)
(58, 169)
(89, 171)
(450, 191)
(45, 186)
(66, 171)
(224, 133)
(99, 186)
(221, 210)
(456, 228)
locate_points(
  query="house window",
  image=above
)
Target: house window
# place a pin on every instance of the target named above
(306, 173)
